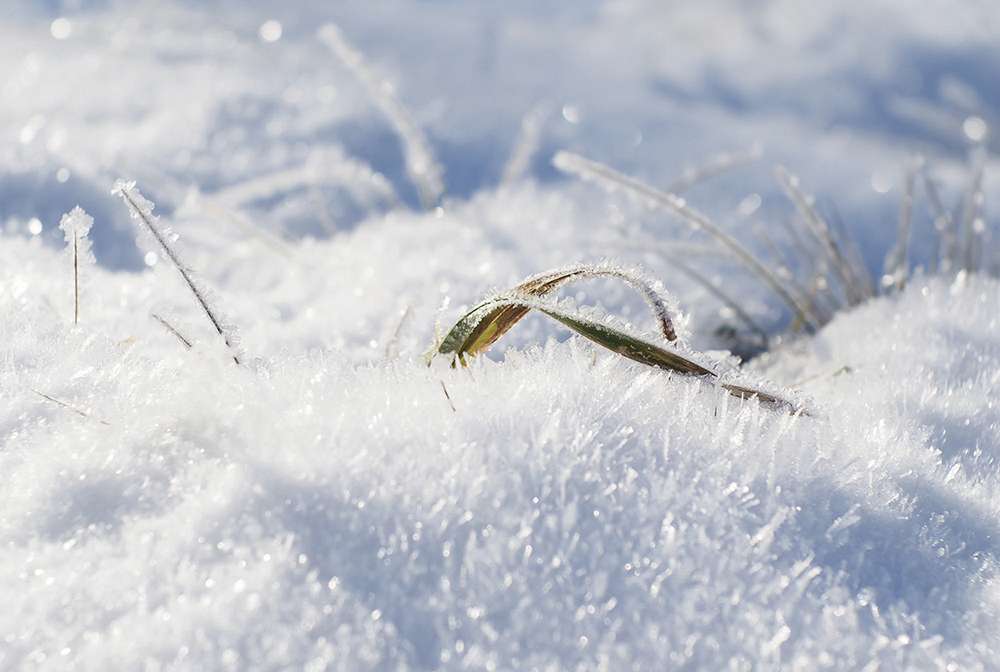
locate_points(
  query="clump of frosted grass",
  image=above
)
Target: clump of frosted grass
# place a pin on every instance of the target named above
(142, 210)
(575, 164)
(76, 225)
(823, 272)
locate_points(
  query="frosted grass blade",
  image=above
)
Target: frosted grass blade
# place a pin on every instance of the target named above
(142, 210)
(425, 171)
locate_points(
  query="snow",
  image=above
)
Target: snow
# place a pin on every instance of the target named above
(333, 502)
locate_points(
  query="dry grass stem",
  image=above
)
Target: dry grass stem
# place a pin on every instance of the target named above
(425, 171)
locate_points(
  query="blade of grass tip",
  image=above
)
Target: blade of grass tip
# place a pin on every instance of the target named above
(971, 212)
(67, 406)
(575, 164)
(424, 169)
(897, 268)
(821, 229)
(723, 164)
(749, 393)
(142, 210)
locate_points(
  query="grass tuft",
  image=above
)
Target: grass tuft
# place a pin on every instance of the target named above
(575, 164)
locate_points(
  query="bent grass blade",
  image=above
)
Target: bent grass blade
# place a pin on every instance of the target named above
(485, 323)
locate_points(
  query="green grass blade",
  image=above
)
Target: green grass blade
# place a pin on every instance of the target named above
(628, 346)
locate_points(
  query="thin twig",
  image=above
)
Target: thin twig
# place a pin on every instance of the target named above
(448, 397)
(76, 278)
(172, 330)
(67, 406)
(125, 190)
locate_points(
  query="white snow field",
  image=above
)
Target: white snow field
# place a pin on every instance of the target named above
(331, 502)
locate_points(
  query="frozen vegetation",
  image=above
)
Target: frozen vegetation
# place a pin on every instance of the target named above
(232, 434)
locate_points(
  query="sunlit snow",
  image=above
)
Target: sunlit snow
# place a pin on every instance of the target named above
(331, 502)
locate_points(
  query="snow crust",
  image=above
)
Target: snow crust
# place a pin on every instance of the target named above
(333, 503)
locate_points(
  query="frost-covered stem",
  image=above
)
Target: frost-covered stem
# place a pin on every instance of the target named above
(76, 278)
(75, 225)
(943, 225)
(721, 296)
(424, 169)
(857, 288)
(574, 163)
(524, 146)
(144, 215)
(169, 327)
(897, 270)
(971, 211)
(721, 165)
(544, 283)
(65, 405)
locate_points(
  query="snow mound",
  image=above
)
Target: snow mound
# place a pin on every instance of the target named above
(563, 507)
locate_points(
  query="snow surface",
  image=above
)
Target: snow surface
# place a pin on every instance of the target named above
(334, 503)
